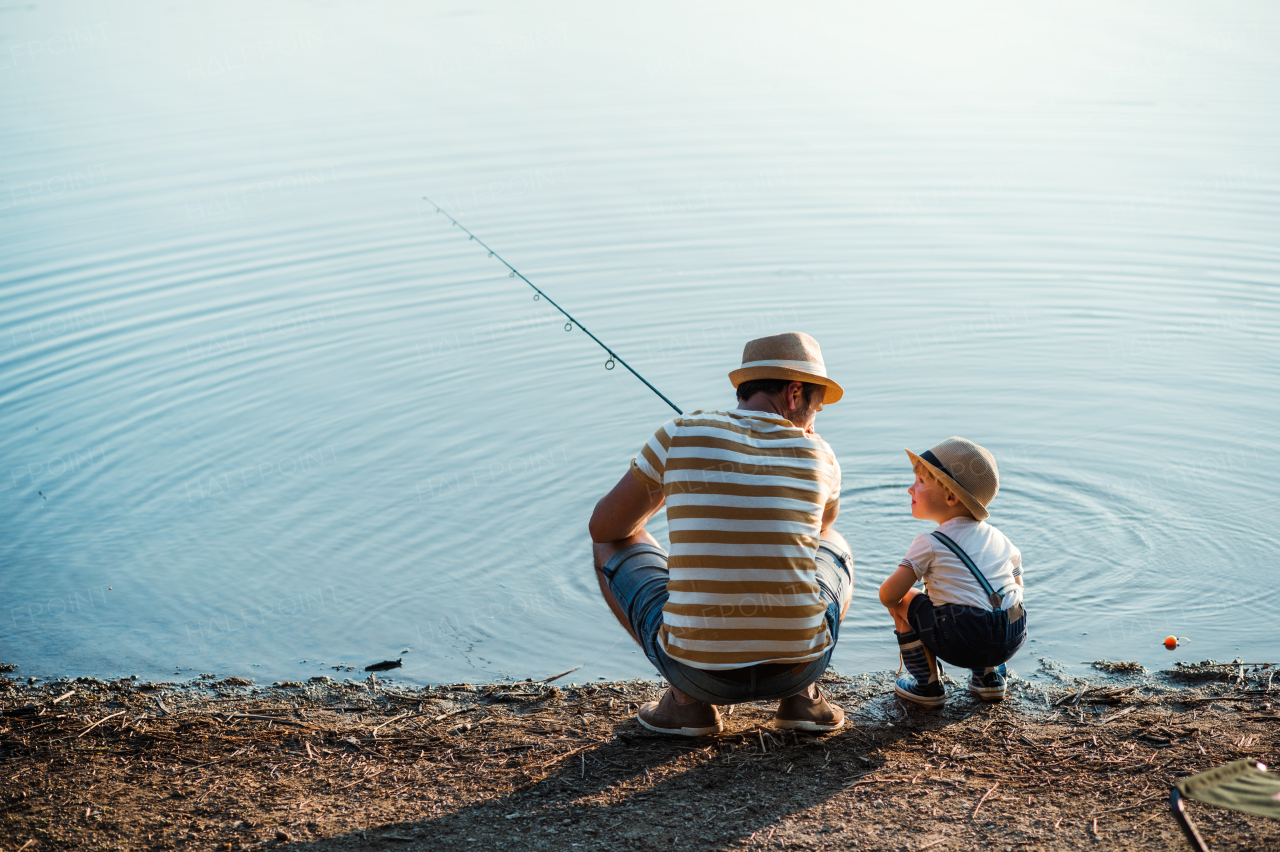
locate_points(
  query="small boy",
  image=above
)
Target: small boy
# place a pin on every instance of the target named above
(970, 613)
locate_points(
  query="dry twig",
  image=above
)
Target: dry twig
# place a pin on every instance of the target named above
(99, 722)
(983, 799)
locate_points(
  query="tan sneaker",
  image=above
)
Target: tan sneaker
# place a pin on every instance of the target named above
(668, 716)
(808, 714)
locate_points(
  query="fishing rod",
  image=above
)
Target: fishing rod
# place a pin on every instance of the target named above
(608, 365)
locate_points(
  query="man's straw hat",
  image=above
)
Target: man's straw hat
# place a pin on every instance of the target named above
(967, 469)
(793, 355)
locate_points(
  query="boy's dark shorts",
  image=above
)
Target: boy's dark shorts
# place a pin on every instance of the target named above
(637, 576)
(966, 636)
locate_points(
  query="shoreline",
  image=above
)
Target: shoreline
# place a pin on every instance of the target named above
(225, 764)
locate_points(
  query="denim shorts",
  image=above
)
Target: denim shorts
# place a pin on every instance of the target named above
(966, 636)
(637, 576)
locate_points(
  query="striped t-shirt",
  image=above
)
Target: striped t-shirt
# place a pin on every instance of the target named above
(745, 494)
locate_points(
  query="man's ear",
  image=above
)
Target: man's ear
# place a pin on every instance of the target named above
(795, 395)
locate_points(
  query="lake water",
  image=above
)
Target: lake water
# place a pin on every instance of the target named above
(264, 413)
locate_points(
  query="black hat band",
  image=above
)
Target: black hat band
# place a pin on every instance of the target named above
(928, 456)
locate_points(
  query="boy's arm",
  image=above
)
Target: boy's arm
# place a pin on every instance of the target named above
(894, 589)
(911, 570)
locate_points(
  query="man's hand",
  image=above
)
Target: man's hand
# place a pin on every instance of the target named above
(625, 510)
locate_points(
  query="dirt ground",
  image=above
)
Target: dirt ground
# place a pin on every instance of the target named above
(1061, 764)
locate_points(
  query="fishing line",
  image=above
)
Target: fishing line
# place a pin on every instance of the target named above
(613, 357)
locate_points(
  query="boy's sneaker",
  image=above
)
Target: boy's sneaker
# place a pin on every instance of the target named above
(803, 713)
(924, 694)
(668, 716)
(989, 685)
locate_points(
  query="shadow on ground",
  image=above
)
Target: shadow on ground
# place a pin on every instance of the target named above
(742, 789)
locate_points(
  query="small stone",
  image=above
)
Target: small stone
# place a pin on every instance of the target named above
(282, 835)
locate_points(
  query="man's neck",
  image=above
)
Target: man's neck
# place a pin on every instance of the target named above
(766, 404)
(761, 402)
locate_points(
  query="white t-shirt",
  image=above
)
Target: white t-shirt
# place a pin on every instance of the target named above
(947, 580)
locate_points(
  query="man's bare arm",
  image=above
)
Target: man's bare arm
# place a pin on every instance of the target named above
(829, 515)
(625, 510)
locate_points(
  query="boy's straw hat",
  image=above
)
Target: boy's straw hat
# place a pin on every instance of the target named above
(967, 469)
(793, 355)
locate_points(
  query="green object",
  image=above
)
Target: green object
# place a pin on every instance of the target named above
(1243, 785)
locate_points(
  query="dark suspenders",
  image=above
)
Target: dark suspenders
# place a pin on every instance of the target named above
(992, 595)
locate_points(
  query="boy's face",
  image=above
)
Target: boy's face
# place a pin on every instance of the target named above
(929, 500)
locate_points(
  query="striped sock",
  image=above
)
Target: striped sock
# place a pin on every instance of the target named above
(917, 658)
(988, 670)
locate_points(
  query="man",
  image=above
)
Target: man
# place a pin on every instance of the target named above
(750, 606)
